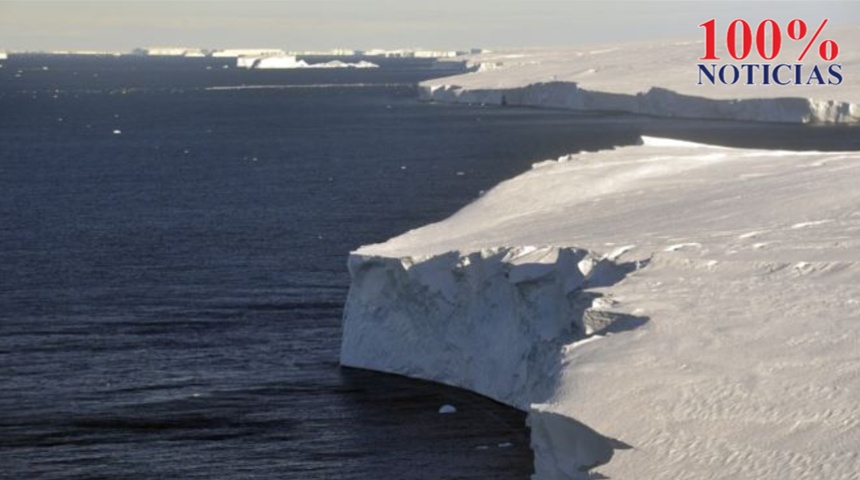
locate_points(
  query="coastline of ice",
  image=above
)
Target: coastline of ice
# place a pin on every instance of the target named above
(656, 78)
(663, 311)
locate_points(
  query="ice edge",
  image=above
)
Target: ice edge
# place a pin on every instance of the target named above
(657, 101)
(498, 321)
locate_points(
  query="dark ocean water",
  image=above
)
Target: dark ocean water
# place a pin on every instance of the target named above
(170, 295)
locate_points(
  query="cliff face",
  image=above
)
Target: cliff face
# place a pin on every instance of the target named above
(691, 315)
(656, 101)
(493, 321)
(657, 78)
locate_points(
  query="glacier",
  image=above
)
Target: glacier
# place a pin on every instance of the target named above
(662, 311)
(667, 310)
(656, 78)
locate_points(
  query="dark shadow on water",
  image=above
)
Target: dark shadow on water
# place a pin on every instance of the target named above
(757, 135)
(483, 439)
(351, 424)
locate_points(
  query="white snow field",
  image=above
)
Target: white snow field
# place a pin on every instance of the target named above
(657, 78)
(664, 311)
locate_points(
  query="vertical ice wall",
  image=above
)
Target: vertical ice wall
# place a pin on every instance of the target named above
(493, 321)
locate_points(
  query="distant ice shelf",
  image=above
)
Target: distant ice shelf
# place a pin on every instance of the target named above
(664, 311)
(292, 62)
(651, 78)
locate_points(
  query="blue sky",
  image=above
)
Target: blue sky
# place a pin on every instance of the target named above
(121, 25)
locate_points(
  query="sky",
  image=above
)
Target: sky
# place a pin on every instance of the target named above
(121, 25)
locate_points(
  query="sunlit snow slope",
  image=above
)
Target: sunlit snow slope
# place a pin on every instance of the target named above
(664, 311)
(653, 78)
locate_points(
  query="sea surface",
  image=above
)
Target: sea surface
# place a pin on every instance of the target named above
(173, 245)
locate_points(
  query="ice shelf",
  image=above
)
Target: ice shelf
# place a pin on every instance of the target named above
(657, 78)
(663, 311)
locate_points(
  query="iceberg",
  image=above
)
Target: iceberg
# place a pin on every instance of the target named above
(662, 311)
(291, 62)
(654, 78)
(269, 61)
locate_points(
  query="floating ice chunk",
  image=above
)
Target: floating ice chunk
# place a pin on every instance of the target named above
(117, 132)
(447, 409)
(506, 445)
(292, 62)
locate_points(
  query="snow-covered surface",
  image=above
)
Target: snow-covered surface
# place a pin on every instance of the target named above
(290, 62)
(656, 78)
(664, 311)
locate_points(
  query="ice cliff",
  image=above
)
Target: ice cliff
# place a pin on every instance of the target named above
(656, 78)
(663, 311)
(494, 319)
